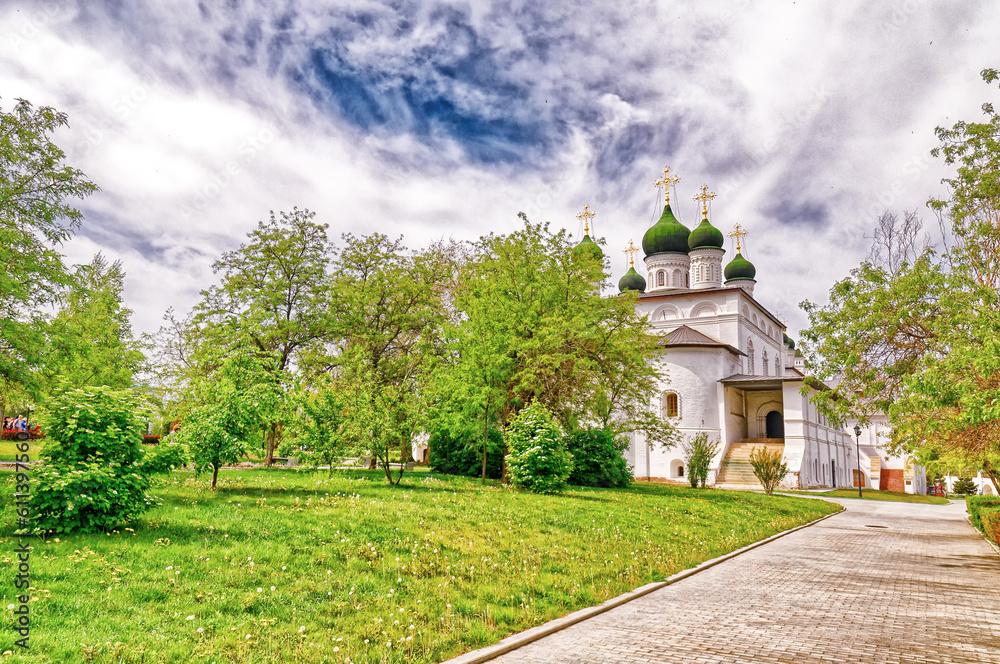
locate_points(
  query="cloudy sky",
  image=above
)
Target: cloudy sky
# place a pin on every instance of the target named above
(437, 119)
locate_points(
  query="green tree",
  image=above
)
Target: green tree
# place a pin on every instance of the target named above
(90, 340)
(965, 486)
(320, 422)
(274, 291)
(386, 317)
(530, 324)
(236, 400)
(917, 338)
(35, 218)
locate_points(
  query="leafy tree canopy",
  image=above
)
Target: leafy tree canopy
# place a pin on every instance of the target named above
(913, 332)
(35, 217)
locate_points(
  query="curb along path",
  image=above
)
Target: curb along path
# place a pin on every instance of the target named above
(881, 582)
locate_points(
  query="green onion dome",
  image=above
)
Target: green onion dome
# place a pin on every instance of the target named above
(705, 236)
(666, 236)
(740, 268)
(631, 281)
(788, 341)
(590, 248)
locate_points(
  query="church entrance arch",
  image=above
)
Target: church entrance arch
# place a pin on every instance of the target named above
(774, 425)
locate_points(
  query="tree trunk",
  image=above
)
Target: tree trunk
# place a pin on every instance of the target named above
(271, 435)
(485, 445)
(215, 475)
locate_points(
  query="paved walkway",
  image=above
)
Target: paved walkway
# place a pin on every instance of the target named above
(881, 582)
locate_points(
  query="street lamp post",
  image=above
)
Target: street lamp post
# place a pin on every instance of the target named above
(857, 440)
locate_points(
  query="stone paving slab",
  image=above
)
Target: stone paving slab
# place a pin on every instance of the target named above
(879, 583)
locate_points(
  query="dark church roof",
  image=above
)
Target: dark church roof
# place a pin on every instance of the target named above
(685, 336)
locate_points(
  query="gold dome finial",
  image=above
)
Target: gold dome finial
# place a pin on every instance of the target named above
(666, 181)
(705, 196)
(738, 233)
(631, 252)
(586, 216)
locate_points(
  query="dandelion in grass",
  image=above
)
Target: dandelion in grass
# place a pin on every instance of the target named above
(190, 618)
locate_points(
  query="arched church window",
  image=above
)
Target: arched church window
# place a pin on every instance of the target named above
(763, 361)
(677, 278)
(777, 367)
(659, 278)
(687, 282)
(750, 367)
(671, 404)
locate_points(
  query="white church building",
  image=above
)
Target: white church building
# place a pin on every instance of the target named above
(729, 368)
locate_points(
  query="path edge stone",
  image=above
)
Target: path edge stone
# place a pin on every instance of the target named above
(515, 641)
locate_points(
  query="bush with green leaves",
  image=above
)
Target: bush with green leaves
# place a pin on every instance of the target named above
(597, 458)
(537, 458)
(460, 453)
(768, 467)
(94, 472)
(698, 453)
(976, 505)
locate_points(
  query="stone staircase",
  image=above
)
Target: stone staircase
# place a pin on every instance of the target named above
(736, 471)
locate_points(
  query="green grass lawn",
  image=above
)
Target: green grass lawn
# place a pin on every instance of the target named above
(289, 566)
(874, 494)
(8, 448)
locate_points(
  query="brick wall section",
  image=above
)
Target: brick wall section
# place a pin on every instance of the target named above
(892, 480)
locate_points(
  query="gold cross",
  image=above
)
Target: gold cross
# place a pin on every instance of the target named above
(631, 251)
(705, 196)
(586, 216)
(666, 181)
(738, 233)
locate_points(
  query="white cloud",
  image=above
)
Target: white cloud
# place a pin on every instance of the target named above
(806, 119)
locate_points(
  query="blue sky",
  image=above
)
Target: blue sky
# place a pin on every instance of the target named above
(441, 119)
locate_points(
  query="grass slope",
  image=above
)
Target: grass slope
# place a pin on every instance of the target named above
(288, 566)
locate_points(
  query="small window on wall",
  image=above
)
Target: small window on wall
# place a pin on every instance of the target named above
(671, 404)
(659, 278)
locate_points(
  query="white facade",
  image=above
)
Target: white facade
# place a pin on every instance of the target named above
(729, 377)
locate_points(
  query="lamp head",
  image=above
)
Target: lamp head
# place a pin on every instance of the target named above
(857, 430)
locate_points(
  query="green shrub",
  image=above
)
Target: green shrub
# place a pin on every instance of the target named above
(768, 467)
(597, 458)
(537, 458)
(455, 453)
(976, 504)
(965, 486)
(698, 454)
(991, 523)
(94, 471)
